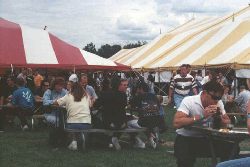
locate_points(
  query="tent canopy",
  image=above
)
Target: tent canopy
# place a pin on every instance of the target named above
(25, 46)
(210, 42)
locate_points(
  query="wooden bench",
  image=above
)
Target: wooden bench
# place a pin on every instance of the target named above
(106, 131)
(62, 123)
(236, 114)
(36, 117)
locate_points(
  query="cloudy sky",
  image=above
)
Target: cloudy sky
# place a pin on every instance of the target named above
(112, 21)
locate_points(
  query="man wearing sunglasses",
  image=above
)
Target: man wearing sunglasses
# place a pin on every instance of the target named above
(199, 110)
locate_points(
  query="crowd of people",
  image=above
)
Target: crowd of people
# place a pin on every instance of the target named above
(110, 96)
(197, 99)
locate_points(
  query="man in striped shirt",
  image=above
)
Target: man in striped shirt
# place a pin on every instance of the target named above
(180, 86)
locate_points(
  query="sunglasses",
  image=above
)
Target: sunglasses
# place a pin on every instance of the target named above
(214, 97)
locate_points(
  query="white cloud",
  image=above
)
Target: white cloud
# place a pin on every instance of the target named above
(207, 7)
(111, 21)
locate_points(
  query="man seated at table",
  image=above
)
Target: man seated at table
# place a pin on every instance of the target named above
(52, 94)
(7, 91)
(5, 97)
(112, 104)
(39, 92)
(198, 110)
(148, 108)
(23, 101)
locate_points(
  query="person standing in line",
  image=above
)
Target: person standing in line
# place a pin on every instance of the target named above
(243, 98)
(180, 86)
(23, 74)
(150, 82)
(30, 80)
(38, 78)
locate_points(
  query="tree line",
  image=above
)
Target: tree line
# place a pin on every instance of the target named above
(107, 50)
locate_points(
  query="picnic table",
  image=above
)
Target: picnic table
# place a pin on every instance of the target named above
(61, 122)
(236, 114)
(234, 136)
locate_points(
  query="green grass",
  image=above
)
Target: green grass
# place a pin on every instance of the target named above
(31, 149)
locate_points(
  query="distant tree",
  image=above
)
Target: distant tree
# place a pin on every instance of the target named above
(116, 48)
(134, 45)
(90, 48)
(107, 50)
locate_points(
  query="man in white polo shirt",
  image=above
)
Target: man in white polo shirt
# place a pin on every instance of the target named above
(199, 110)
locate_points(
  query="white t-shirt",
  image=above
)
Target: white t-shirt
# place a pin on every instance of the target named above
(77, 112)
(191, 105)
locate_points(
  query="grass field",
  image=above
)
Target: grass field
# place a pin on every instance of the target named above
(31, 149)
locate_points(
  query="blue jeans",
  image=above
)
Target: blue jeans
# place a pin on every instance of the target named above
(178, 99)
(84, 137)
(78, 126)
(162, 113)
(242, 162)
(51, 118)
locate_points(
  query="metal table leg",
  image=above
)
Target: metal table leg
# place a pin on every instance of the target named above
(214, 159)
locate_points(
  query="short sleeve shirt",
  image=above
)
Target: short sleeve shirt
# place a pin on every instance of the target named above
(23, 98)
(191, 106)
(91, 92)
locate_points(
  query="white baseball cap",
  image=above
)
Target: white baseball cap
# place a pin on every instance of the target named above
(73, 78)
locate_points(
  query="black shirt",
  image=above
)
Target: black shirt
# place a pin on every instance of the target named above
(7, 91)
(112, 104)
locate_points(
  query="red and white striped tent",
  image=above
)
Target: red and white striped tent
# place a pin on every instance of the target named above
(23, 46)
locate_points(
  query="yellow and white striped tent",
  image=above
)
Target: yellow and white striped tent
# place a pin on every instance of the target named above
(125, 54)
(210, 42)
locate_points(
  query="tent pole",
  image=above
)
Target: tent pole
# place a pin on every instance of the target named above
(46, 73)
(235, 86)
(235, 82)
(159, 80)
(143, 75)
(12, 69)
